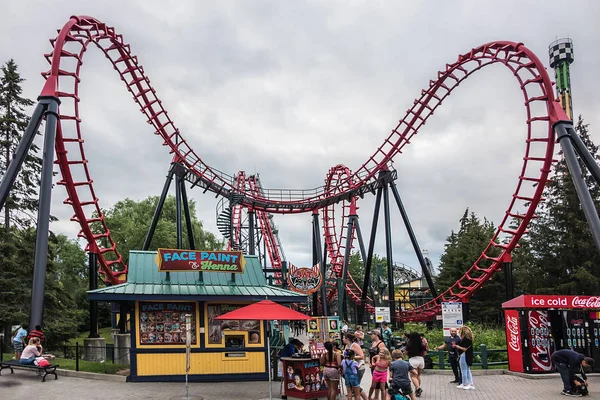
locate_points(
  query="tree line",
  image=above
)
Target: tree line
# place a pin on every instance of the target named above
(65, 301)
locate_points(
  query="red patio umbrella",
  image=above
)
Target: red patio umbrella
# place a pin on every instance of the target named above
(265, 310)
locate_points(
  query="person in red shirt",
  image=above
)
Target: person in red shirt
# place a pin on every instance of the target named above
(37, 332)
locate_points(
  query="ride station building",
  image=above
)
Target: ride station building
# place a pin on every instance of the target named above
(162, 287)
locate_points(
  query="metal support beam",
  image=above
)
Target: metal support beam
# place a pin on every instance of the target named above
(389, 256)
(93, 281)
(581, 149)
(188, 216)
(22, 149)
(320, 260)
(43, 217)
(178, 222)
(342, 295)
(251, 249)
(413, 240)
(159, 207)
(587, 204)
(315, 260)
(369, 259)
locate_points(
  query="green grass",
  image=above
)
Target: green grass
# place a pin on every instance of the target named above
(104, 332)
(85, 366)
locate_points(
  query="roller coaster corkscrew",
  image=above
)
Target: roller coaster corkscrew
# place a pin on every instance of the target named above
(59, 104)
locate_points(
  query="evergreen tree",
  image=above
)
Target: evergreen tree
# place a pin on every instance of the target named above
(462, 249)
(22, 204)
(562, 257)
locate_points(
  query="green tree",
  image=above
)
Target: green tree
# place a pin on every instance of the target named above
(129, 221)
(561, 256)
(462, 249)
(22, 204)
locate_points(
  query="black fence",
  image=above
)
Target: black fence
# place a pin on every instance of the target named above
(105, 354)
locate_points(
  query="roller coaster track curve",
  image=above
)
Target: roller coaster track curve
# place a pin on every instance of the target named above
(65, 64)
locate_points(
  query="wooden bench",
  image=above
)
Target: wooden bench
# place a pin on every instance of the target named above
(48, 369)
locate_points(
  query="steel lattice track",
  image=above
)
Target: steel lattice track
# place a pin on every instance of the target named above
(63, 78)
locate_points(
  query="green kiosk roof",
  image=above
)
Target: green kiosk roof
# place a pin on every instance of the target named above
(146, 282)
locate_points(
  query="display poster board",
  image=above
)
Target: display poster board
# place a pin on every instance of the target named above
(216, 328)
(333, 324)
(382, 314)
(163, 323)
(304, 379)
(452, 316)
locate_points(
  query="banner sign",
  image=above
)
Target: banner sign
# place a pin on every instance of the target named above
(513, 341)
(202, 261)
(382, 314)
(558, 301)
(305, 280)
(452, 316)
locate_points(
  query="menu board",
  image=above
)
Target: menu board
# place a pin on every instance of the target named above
(217, 327)
(164, 323)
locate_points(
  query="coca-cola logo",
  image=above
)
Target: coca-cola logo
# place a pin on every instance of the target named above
(539, 328)
(512, 327)
(586, 302)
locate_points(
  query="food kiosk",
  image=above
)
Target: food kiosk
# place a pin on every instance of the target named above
(164, 286)
(538, 325)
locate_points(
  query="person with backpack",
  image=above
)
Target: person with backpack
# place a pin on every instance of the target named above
(400, 372)
(568, 363)
(350, 368)
(352, 344)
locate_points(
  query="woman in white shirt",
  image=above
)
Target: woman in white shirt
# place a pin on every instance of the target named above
(31, 351)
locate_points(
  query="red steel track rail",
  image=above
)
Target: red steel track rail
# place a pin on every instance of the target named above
(63, 79)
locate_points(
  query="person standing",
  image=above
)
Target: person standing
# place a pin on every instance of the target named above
(387, 334)
(352, 344)
(344, 328)
(37, 332)
(452, 354)
(465, 351)
(331, 363)
(416, 351)
(19, 340)
(568, 363)
(360, 335)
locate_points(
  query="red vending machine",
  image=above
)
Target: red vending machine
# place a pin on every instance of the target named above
(529, 340)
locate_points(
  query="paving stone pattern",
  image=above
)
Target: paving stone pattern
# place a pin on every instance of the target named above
(25, 384)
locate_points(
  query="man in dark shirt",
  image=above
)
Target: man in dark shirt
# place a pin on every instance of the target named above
(568, 363)
(452, 356)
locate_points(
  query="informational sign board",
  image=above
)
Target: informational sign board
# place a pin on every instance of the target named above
(382, 314)
(452, 316)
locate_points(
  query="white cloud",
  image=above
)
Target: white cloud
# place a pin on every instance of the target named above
(290, 89)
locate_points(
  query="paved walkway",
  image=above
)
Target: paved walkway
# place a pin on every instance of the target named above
(25, 384)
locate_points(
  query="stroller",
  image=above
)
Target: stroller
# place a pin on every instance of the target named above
(580, 389)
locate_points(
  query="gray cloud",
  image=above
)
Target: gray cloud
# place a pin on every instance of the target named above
(290, 89)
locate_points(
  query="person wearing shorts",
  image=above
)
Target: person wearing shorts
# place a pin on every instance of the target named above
(379, 379)
(331, 362)
(400, 373)
(416, 350)
(18, 340)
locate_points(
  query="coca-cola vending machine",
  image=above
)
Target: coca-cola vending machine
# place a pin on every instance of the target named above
(529, 340)
(537, 325)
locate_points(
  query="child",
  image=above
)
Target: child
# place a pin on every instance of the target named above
(381, 363)
(400, 371)
(351, 375)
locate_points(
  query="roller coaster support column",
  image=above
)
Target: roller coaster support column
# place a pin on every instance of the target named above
(568, 138)
(178, 225)
(188, 221)
(315, 296)
(159, 207)
(93, 280)
(507, 266)
(369, 260)
(43, 217)
(317, 247)
(389, 255)
(413, 240)
(251, 233)
(353, 226)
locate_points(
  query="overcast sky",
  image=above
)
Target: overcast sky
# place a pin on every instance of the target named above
(288, 89)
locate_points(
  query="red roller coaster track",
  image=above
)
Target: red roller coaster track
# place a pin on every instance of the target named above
(63, 79)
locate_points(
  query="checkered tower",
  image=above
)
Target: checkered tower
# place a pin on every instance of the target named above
(561, 56)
